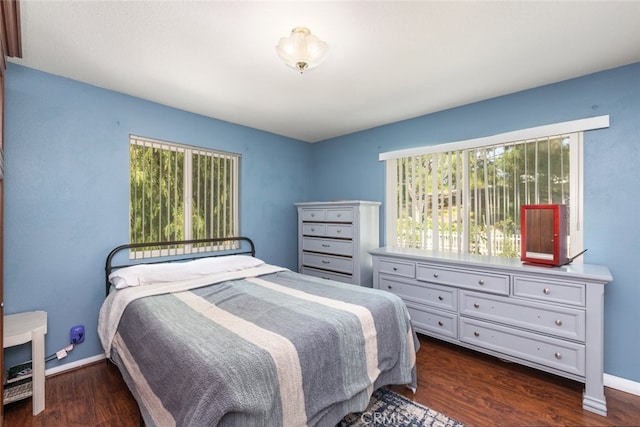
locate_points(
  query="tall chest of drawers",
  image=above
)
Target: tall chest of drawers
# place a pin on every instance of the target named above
(546, 318)
(334, 239)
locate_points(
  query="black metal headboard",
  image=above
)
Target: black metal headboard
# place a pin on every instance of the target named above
(226, 246)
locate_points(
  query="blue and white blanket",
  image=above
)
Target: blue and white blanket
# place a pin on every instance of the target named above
(261, 347)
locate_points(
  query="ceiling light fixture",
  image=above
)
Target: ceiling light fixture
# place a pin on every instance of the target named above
(301, 50)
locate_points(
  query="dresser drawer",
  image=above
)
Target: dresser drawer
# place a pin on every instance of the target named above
(328, 275)
(543, 289)
(422, 293)
(397, 268)
(495, 283)
(313, 215)
(328, 262)
(339, 215)
(341, 231)
(551, 352)
(314, 229)
(328, 246)
(433, 322)
(559, 321)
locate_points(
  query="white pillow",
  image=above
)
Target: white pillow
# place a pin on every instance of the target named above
(148, 274)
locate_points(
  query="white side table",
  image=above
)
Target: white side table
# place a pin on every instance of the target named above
(21, 328)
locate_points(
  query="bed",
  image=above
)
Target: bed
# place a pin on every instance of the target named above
(230, 340)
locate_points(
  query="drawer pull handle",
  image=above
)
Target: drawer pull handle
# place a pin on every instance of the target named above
(338, 231)
(313, 215)
(435, 275)
(326, 262)
(480, 282)
(477, 334)
(327, 278)
(313, 229)
(339, 215)
(559, 322)
(324, 245)
(558, 356)
(395, 268)
(440, 323)
(476, 305)
(389, 286)
(440, 297)
(546, 291)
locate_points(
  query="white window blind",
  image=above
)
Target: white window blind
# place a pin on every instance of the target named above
(178, 192)
(466, 196)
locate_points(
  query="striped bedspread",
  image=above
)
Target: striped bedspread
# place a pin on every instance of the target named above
(274, 349)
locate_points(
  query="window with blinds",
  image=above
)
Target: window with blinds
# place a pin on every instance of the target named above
(465, 197)
(179, 192)
(469, 200)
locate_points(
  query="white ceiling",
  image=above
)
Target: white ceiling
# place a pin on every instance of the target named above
(387, 61)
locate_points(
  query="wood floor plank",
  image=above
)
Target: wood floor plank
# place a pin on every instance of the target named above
(475, 389)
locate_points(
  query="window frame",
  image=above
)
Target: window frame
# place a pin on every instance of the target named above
(187, 178)
(576, 158)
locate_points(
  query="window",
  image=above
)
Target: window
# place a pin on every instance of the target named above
(465, 197)
(180, 192)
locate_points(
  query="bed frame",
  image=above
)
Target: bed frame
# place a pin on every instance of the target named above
(178, 250)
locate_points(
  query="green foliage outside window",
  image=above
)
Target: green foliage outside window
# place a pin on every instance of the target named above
(179, 192)
(157, 194)
(499, 179)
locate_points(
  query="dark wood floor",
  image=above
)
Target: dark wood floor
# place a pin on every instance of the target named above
(475, 389)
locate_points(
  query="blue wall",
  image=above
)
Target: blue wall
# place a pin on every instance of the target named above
(611, 177)
(67, 190)
(66, 185)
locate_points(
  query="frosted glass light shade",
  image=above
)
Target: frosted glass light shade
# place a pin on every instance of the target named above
(302, 50)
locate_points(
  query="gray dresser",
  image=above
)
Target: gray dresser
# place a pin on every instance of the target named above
(549, 318)
(334, 239)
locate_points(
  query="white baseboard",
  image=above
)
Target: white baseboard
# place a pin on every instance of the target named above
(73, 365)
(618, 383)
(622, 384)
